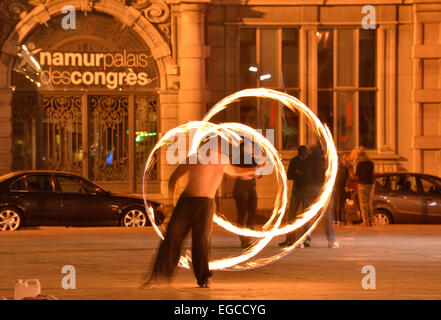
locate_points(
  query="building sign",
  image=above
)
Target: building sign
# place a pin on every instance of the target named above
(103, 69)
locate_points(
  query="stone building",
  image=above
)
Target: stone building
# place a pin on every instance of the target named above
(90, 90)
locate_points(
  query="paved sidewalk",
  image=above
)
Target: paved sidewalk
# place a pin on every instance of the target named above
(111, 261)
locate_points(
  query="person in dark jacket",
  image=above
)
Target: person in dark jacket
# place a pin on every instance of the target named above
(244, 193)
(365, 188)
(298, 172)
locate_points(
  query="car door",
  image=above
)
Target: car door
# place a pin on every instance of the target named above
(37, 197)
(406, 198)
(431, 188)
(73, 199)
(100, 208)
(85, 203)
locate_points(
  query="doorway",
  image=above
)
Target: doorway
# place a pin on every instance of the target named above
(104, 137)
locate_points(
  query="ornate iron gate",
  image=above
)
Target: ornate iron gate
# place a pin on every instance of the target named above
(108, 137)
(61, 133)
(89, 134)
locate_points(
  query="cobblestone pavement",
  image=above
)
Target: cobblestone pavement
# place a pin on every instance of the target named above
(110, 263)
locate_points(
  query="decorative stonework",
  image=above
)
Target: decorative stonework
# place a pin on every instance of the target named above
(11, 11)
(156, 12)
(157, 36)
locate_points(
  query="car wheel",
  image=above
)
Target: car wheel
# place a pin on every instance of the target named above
(10, 219)
(134, 217)
(381, 218)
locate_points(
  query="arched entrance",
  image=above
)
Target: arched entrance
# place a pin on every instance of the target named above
(88, 102)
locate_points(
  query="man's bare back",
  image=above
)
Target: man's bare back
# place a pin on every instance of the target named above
(204, 179)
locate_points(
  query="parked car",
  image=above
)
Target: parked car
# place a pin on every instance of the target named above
(407, 198)
(35, 198)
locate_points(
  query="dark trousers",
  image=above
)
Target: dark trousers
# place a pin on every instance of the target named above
(195, 213)
(299, 197)
(245, 197)
(339, 205)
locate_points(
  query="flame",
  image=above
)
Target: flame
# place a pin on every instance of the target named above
(232, 132)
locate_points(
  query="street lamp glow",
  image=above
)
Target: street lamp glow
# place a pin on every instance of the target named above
(265, 76)
(252, 69)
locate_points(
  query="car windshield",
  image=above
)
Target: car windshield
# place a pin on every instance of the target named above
(431, 186)
(7, 176)
(403, 183)
(381, 183)
(76, 184)
(90, 185)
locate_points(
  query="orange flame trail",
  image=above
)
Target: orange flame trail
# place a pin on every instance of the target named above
(231, 131)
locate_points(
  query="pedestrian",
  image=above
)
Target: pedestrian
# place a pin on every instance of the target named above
(317, 165)
(194, 210)
(352, 183)
(329, 223)
(365, 187)
(298, 172)
(340, 190)
(245, 194)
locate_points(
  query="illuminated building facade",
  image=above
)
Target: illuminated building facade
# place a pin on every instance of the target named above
(95, 99)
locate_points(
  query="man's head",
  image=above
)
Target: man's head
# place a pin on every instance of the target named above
(361, 153)
(302, 151)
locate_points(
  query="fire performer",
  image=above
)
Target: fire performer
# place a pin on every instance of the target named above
(194, 211)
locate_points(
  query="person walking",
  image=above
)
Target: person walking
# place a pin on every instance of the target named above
(365, 187)
(352, 183)
(298, 172)
(329, 223)
(317, 166)
(340, 191)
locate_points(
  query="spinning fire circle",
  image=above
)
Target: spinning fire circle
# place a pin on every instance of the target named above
(232, 132)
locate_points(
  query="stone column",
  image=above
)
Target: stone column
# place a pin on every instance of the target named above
(5, 122)
(192, 54)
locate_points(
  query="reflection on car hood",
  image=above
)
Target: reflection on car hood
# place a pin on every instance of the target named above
(122, 195)
(130, 196)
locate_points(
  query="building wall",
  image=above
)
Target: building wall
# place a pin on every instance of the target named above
(427, 88)
(398, 140)
(405, 117)
(197, 51)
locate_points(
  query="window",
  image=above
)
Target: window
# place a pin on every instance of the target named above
(19, 185)
(431, 186)
(40, 183)
(403, 184)
(381, 183)
(146, 111)
(74, 185)
(269, 57)
(346, 85)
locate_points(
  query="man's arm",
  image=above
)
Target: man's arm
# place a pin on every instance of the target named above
(178, 173)
(235, 171)
(357, 170)
(291, 170)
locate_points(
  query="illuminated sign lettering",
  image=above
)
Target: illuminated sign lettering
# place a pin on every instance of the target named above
(94, 69)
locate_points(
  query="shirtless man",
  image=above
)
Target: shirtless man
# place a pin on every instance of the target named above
(194, 210)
